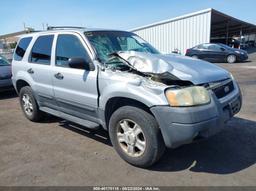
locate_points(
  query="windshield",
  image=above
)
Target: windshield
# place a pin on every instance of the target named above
(107, 42)
(4, 62)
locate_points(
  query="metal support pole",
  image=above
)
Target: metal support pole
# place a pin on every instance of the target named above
(241, 35)
(227, 31)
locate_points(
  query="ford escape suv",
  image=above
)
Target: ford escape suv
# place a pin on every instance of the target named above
(147, 101)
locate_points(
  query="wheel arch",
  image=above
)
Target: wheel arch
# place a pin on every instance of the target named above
(116, 102)
(20, 84)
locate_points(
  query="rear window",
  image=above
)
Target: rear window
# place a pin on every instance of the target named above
(41, 51)
(21, 48)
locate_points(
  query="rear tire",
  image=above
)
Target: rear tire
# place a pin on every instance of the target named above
(231, 58)
(141, 144)
(28, 105)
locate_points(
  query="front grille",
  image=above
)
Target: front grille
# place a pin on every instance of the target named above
(223, 90)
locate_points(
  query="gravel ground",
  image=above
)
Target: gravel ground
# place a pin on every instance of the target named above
(56, 152)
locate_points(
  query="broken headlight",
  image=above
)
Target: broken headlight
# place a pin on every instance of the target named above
(190, 96)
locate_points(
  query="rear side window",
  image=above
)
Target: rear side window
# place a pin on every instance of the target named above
(41, 51)
(214, 47)
(21, 48)
(69, 46)
(203, 46)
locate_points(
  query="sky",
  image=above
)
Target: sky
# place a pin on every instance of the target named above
(111, 14)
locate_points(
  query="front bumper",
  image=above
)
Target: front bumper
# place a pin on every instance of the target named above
(242, 57)
(180, 125)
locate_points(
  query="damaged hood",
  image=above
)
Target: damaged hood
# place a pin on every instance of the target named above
(182, 67)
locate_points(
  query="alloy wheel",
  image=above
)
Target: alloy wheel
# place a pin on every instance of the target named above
(231, 58)
(27, 104)
(131, 138)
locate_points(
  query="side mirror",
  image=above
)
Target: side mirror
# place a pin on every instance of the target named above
(80, 63)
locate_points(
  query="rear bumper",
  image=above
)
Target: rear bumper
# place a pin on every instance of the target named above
(180, 125)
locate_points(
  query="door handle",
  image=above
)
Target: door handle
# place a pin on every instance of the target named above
(30, 71)
(59, 76)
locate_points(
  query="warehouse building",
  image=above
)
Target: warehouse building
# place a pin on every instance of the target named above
(186, 31)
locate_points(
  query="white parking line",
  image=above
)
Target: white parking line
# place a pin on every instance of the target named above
(247, 67)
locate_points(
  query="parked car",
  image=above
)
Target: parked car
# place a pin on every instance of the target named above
(147, 101)
(5, 74)
(217, 52)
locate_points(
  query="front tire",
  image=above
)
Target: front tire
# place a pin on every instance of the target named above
(136, 137)
(231, 58)
(29, 105)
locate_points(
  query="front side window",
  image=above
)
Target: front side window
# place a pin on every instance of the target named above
(69, 46)
(225, 46)
(21, 48)
(107, 42)
(41, 51)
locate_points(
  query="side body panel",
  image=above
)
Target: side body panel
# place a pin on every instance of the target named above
(127, 85)
(76, 93)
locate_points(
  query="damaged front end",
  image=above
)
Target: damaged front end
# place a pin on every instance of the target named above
(146, 65)
(185, 79)
(172, 69)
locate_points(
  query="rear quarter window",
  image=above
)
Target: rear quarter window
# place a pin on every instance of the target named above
(21, 48)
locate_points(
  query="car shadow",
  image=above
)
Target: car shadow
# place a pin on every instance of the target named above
(8, 94)
(227, 152)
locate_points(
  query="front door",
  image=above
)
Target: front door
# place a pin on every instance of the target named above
(75, 89)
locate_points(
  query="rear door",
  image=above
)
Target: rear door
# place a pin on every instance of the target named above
(75, 89)
(40, 69)
(202, 52)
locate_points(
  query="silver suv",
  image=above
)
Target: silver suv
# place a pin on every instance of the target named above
(147, 101)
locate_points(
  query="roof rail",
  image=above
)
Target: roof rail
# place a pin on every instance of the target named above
(63, 27)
